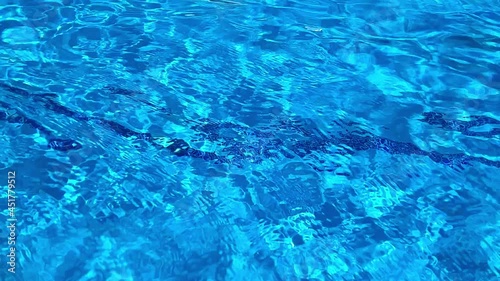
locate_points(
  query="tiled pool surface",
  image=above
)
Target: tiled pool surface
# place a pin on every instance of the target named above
(263, 140)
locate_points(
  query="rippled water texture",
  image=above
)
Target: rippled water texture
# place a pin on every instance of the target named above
(251, 140)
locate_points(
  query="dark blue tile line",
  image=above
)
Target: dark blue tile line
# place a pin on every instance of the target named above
(359, 141)
(15, 90)
(176, 146)
(15, 117)
(181, 148)
(64, 145)
(118, 128)
(56, 107)
(54, 143)
(112, 90)
(464, 127)
(456, 161)
(121, 92)
(265, 145)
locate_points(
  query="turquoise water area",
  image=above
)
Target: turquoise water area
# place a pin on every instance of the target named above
(251, 140)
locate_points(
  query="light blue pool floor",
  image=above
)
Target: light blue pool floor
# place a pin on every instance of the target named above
(269, 140)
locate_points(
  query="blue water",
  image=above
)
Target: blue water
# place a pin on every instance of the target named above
(251, 140)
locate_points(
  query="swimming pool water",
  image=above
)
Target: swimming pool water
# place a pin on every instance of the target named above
(251, 140)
